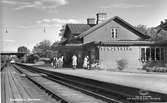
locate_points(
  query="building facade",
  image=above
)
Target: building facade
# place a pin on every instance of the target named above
(112, 41)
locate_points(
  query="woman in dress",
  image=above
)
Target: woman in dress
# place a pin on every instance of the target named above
(86, 62)
(74, 61)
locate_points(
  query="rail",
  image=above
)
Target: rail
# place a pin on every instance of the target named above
(47, 90)
(106, 91)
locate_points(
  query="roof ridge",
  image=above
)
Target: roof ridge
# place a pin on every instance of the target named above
(107, 21)
(76, 24)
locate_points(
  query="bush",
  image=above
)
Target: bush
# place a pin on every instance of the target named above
(121, 64)
(32, 58)
(154, 66)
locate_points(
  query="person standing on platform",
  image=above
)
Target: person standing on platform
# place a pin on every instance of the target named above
(52, 62)
(74, 61)
(58, 63)
(86, 62)
(61, 61)
(55, 62)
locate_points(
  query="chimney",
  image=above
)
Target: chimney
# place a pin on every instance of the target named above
(91, 21)
(101, 17)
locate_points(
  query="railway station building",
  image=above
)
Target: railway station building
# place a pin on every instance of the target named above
(107, 42)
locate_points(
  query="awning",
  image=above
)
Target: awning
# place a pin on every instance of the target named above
(129, 43)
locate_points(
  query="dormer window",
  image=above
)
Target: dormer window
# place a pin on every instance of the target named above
(114, 32)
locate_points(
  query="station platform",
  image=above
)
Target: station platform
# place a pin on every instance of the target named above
(156, 82)
(16, 88)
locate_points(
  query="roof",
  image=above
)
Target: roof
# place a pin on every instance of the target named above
(69, 46)
(13, 53)
(78, 28)
(130, 43)
(119, 21)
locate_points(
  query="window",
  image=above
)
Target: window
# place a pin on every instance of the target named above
(165, 55)
(157, 54)
(148, 54)
(114, 32)
(162, 53)
(152, 53)
(143, 54)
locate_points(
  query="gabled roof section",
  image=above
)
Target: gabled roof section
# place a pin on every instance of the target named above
(75, 30)
(78, 28)
(119, 21)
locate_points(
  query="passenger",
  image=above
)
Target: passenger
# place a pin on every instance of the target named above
(56, 63)
(52, 62)
(88, 66)
(61, 61)
(55, 60)
(74, 61)
(86, 62)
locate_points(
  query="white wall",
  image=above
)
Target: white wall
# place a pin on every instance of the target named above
(109, 56)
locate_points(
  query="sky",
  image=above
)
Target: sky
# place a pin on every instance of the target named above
(28, 22)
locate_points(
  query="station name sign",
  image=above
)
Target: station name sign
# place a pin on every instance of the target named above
(115, 48)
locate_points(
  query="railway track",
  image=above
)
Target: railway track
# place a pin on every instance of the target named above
(73, 85)
(110, 93)
(49, 87)
(47, 91)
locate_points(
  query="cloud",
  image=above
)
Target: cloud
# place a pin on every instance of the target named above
(53, 22)
(123, 6)
(64, 21)
(37, 4)
(61, 2)
(8, 40)
(57, 21)
(8, 2)
(14, 2)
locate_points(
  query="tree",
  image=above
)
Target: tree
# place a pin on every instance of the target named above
(23, 49)
(163, 25)
(142, 28)
(54, 45)
(43, 49)
(154, 33)
(54, 49)
(32, 58)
